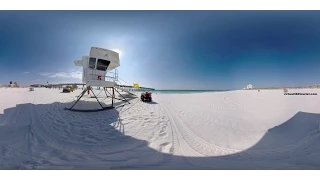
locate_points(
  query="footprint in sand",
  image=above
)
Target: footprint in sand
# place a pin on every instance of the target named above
(166, 147)
(162, 134)
(60, 122)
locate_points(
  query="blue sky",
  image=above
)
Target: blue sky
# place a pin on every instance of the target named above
(165, 49)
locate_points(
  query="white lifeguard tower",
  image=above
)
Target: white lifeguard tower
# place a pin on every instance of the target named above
(95, 68)
(96, 65)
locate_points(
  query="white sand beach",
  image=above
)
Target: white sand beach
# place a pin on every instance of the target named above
(243, 129)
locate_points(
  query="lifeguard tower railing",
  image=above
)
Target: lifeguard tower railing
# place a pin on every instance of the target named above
(120, 83)
(113, 77)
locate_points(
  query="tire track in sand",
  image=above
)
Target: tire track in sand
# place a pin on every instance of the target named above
(233, 154)
(23, 150)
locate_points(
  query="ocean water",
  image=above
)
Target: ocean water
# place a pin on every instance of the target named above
(184, 91)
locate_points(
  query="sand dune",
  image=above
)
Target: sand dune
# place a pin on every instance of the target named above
(216, 130)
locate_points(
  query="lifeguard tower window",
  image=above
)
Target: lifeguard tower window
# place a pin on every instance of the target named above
(102, 64)
(92, 63)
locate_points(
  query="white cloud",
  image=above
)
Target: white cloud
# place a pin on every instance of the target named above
(44, 74)
(63, 81)
(71, 74)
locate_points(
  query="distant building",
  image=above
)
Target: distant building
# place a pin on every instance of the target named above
(249, 86)
(13, 84)
(36, 85)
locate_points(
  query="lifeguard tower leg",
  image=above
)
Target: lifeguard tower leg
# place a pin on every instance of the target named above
(105, 90)
(79, 97)
(97, 99)
(121, 95)
(112, 96)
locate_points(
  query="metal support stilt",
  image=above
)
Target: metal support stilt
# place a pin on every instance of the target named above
(96, 98)
(112, 96)
(80, 96)
(93, 110)
(122, 96)
(105, 90)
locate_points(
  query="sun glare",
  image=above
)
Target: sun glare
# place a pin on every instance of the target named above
(117, 50)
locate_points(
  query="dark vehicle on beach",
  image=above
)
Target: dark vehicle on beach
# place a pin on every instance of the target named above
(146, 97)
(68, 89)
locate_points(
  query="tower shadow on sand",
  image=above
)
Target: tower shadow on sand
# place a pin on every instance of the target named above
(45, 136)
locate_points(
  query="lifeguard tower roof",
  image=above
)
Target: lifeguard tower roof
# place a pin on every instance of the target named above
(104, 54)
(107, 54)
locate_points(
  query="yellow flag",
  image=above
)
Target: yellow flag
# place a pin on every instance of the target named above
(136, 86)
